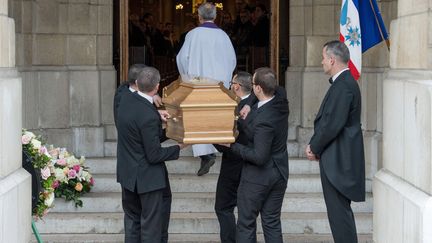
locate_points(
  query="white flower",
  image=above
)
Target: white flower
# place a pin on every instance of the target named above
(32, 135)
(71, 161)
(36, 143)
(60, 175)
(49, 200)
(85, 175)
(63, 153)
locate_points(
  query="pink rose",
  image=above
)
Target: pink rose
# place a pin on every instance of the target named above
(45, 173)
(77, 168)
(61, 162)
(26, 138)
(92, 181)
(55, 184)
(54, 153)
(42, 150)
(72, 174)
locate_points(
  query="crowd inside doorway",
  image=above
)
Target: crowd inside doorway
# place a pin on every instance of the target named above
(157, 43)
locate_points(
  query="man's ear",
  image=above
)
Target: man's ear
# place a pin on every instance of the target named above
(236, 87)
(333, 60)
(258, 88)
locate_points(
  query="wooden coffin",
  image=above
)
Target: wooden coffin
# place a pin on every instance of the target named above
(201, 113)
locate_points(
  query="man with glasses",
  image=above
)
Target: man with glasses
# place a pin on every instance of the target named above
(230, 172)
(264, 174)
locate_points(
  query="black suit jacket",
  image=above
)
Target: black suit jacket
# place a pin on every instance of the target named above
(338, 138)
(267, 131)
(231, 162)
(140, 157)
(117, 97)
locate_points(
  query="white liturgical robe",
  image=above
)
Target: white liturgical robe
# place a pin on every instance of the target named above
(207, 53)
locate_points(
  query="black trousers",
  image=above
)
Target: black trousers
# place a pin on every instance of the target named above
(147, 215)
(266, 200)
(226, 201)
(339, 212)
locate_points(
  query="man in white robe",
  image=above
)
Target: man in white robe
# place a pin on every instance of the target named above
(207, 53)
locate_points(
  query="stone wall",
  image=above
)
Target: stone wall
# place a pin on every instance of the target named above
(15, 188)
(403, 188)
(312, 23)
(64, 54)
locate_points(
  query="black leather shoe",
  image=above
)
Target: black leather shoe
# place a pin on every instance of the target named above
(205, 166)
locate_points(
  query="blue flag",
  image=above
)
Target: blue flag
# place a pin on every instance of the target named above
(372, 26)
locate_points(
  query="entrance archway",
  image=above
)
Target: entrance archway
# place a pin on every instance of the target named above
(278, 34)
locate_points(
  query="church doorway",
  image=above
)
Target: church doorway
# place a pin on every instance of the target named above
(152, 32)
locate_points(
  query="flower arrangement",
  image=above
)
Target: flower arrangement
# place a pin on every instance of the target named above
(72, 178)
(61, 174)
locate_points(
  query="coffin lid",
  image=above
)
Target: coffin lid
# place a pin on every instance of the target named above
(191, 95)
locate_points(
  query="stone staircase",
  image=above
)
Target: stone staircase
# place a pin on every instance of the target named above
(193, 220)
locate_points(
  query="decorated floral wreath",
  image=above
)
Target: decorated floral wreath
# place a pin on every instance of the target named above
(61, 174)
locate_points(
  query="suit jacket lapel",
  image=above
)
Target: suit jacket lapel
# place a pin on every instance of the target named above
(338, 79)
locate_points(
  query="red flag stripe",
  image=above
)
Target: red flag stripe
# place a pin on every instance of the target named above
(353, 69)
(355, 73)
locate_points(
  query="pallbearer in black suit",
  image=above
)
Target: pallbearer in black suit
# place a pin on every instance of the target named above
(229, 176)
(265, 171)
(141, 169)
(130, 85)
(337, 143)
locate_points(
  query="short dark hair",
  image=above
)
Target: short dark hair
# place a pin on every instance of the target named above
(148, 79)
(339, 50)
(266, 79)
(134, 70)
(245, 81)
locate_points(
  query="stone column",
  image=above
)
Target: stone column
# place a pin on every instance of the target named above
(403, 187)
(15, 187)
(311, 24)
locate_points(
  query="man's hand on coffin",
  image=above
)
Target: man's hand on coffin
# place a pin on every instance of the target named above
(164, 115)
(157, 100)
(225, 144)
(244, 111)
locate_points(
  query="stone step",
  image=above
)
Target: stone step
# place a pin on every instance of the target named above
(188, 223)
(188, 238)
(192, 183)
(190, 165)
(200, 203)
(110, 148)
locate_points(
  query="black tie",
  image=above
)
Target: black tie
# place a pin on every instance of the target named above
(331, 80)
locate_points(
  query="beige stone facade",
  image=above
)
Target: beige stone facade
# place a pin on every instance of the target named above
(64, 55)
